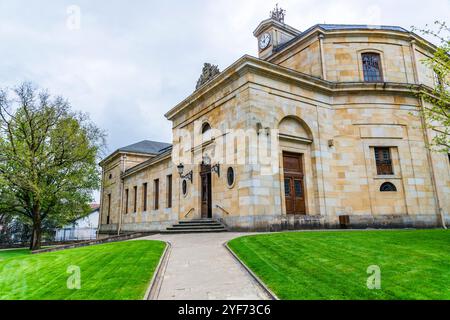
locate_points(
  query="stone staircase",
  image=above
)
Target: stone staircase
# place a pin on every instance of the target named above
(196, 226)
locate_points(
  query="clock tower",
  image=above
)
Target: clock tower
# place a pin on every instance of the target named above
(273, 32)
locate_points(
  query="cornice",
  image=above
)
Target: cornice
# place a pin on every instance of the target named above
(161, 157)
(249, 64)
(118, 152)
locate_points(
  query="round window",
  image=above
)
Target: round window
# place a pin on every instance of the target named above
(184, 187)
(230, 176)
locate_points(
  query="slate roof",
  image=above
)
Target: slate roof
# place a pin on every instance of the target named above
(149, 147)
(333, 27)
(146, 146)
(162, 154)
(359, 26)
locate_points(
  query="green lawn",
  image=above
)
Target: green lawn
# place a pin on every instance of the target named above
(114, 271)
(333, 265)
(10, 253)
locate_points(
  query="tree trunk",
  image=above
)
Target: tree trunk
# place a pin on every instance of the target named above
(36, 234)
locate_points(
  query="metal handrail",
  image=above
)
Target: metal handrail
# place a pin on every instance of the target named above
(219, 207)
(189, 212)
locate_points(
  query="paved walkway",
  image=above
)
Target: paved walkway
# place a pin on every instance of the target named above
(199, 267)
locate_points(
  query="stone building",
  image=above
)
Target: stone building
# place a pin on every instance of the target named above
(322, 130)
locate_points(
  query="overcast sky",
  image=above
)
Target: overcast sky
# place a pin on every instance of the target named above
(129, 62)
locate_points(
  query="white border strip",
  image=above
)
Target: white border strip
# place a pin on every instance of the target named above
(155, 282)
(254, 276)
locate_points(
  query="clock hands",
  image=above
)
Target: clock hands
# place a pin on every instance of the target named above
(264, 41)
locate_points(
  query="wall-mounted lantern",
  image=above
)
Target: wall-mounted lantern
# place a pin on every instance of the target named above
(216, 168)
(187, 176)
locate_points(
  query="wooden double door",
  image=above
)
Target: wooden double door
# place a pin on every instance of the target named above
(206, 191)
(294, 185)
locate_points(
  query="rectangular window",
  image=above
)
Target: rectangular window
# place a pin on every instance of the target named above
(126, 200)
(135, 200)
(109, 208)
(372, 67)
(144, 197)
(298, 188)
(438, 81)
(287, 187)
(169, 191)
(383, 161)
(156, 194)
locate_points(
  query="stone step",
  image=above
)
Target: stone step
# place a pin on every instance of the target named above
(193, 231)
(183, 227)
(196, 224)
(203, 221)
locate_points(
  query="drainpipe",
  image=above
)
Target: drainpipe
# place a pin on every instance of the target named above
(414, 61)
(321, 165)
(100, 215)
(122, 170)
(322, 57)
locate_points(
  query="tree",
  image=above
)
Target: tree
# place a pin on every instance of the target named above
(437, 110)
(5, 219)
(48, 159)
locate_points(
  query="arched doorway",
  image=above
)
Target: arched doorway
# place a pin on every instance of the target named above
(295, 140)
(294, 184)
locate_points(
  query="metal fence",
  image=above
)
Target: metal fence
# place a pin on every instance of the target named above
(75, 234)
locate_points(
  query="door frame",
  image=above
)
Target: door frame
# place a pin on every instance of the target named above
(206, 173)
(302, 174)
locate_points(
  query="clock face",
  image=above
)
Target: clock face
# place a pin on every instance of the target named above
(264, 41)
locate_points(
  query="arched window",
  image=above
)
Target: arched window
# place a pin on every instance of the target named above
(388, 187)
(371, 63)
(205, 127)
(294, 127)
(206, 132)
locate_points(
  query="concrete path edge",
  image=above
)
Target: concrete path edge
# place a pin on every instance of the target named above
(155, 282)
(252, 274)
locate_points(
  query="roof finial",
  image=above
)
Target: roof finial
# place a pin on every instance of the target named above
(278, 14)
(209, 72)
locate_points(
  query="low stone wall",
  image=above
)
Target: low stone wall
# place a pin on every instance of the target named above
(308, 222)
(153, 227)
(394, 221)
(43, 244)
(4, 246)
(275, 223)
(93, 242)
(108, 228)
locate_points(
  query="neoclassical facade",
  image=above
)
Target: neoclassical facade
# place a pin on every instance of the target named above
(322, 130)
